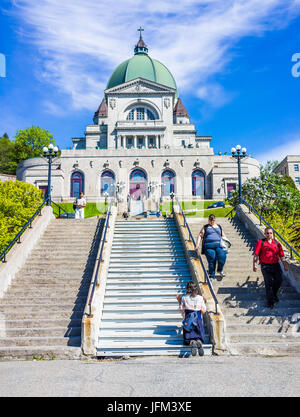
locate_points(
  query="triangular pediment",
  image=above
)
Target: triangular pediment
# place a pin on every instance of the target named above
(140, 86)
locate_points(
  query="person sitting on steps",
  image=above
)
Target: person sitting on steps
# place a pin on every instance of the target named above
(191, 306)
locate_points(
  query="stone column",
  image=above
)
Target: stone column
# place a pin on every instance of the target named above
(135, 141)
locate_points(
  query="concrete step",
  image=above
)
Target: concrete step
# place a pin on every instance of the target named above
(37, 300)
(134, 298)
(259, 302)
(38, 323)
(252, 296)
(262, 337)
(39, 352)
(163, 267)
(182, 351)
(42, 314)
(13, 309)
(155, 284)
(142, 289)
(28, 332)
(168, 274)
(147, 306)
(123, 325)
(40, 341)
(273, 327)
(54, 292)
(265, 349)
(133, 315)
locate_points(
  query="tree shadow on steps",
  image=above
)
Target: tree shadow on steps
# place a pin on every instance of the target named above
(82, 293)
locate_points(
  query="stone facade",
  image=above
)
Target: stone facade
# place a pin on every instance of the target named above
(143, 144)
(7, 177)
(290, 165)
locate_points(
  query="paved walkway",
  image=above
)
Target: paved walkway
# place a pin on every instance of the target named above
(225, 376)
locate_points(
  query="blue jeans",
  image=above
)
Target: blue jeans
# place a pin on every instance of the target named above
(214, 253)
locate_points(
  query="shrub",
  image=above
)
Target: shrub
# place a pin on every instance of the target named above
(18, 202)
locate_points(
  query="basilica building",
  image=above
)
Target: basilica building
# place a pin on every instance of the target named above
(141, 144)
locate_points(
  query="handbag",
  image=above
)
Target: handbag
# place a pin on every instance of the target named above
(189, 322)
(225, 244)
(75, 205)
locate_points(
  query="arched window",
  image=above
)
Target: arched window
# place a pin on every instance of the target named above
(168, 182)
(77, 184)
(142, 113)
(107, 183)
(138, 184)
(150, 115)
(131, 115)
(198, 183)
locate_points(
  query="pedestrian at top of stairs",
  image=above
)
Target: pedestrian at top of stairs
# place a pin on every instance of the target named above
(211, 235)
(80, 203)
(191, 306)
(268, 251)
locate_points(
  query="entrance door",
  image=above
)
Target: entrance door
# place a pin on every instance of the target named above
(230, 188)
(168, 182)
(198, 183)
(138, 184)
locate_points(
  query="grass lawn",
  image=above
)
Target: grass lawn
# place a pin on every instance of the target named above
(218, 212)
(199, 207)
(91, 209)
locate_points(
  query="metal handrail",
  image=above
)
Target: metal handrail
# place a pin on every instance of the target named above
(251, 208)
(59, 208)
(18, 235)
(207, 280)
(230, 212)
(100, 256)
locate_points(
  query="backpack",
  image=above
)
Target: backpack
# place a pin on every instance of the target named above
(263, 241)
(205, 227)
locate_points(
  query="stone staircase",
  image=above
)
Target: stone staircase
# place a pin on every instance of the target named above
(147, 270)
(251, 327)
(41, 312)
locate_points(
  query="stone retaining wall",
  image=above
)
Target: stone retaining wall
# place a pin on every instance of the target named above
(252, 223)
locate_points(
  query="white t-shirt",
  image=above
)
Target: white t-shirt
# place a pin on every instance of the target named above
(193, 303)
(80, 202)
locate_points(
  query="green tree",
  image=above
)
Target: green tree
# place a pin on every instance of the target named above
(30, 142)
(7, 156)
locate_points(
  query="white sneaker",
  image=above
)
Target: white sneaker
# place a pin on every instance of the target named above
(222, 275)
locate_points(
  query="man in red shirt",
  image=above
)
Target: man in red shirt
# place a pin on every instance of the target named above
(268, 252)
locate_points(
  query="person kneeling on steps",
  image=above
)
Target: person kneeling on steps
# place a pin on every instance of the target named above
(191, 306)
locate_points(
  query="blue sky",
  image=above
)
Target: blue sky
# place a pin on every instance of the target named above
(232, 61)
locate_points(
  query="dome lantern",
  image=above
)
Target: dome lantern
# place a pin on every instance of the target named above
(141, 65)
(140, 47)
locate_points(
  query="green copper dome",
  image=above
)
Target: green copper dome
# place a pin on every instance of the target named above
(141, 65)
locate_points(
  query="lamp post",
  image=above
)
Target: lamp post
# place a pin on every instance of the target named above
(239, 153)
(50, 153)
(172, 198)
(105, 195)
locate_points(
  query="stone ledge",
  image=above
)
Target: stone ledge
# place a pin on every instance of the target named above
(90, 325)
(216, 322)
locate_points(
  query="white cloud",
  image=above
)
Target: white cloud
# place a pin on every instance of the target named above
(290, 146)
(82, 42)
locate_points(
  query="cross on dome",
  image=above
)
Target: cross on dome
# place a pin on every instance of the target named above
(141, 47)
(140, 30)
